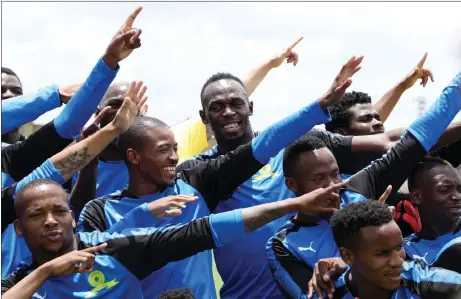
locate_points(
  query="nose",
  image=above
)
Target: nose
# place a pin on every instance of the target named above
(377, 125)
(328, 182)
(396, 259)
(174, 157)
(228, 111)
(456, 196)
(50, 221)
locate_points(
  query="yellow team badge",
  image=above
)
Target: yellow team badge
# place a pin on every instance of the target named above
(97, 280)
(265, 173)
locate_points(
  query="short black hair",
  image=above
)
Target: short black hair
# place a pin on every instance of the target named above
(340, 113)
(214, 78)
(18, 203)
(135, 136)
(9, 71)
(181, 293)
(425, 164)
(291, 155)
(347, 222)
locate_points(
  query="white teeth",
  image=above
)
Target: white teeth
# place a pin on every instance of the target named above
(169, 168)
(231, 126)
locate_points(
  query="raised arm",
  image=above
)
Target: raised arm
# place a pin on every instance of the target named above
(23, 158)
(20, 110)
(421, 136)
(65, 164)
(257, 75)
(217, 179)
(387, 103)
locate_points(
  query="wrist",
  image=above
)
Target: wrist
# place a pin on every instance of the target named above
(289, 205)
(113, 129)
(110, 61)
(44, 272)
(323, 102)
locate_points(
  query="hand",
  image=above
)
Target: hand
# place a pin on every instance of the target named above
(134, 100)
(342, 81)
(288, 54)
(320, 201)
(67, 92)
(159, 208)
(383, 198)
(93, 127)
(68, 263)
(124, 42)
(418, 73)
(325, 271)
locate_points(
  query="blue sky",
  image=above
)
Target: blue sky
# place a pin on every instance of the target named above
(185, 43)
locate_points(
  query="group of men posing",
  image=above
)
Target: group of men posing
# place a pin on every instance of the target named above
(290, 212)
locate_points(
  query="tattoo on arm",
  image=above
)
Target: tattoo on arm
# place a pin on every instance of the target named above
(73, 162)
(258, 216)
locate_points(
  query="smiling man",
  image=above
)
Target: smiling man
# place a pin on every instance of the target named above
(371, 243)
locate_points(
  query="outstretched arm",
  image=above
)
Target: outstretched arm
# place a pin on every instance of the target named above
(387, 103)
(257, 75)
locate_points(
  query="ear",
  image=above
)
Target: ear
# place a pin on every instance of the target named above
(144, 109)
(251, 108)
(347, 255)
(203, 117)
(18, 228)
(74, 224)
(415, 197)
(132, 156)
(291, 184)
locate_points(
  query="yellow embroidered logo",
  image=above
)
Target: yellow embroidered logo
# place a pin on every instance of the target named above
(265, 173)
(97, 280)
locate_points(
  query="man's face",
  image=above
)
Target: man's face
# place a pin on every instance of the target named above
(379, 255)
(158, 159)
(364, 120)
(46, 222)
(315, 169)
(440, 192)
(227, 109)
(11, 87)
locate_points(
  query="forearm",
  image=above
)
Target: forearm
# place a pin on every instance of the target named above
(256, 76)
(258, 216)
(451, 135)
(84, 189)
(85, 101)
(388, 101)
(279, 135)
(78, 155)
(27, 287)
(20, 110)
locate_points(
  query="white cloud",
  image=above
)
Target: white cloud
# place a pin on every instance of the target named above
(184, 43)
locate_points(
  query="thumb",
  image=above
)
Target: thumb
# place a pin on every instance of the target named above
(173, 213)
(125, 36)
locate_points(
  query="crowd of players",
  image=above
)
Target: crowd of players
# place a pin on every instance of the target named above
(352, 211)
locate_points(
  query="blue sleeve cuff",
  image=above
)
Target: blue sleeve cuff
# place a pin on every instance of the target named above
(278, 136)
(429, 127)
(85, 101)
(227, 227)
(20, 110)
(45, 171)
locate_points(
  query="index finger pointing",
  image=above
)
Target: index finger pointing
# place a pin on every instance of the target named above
(296, 42)
(336, 186)
(130, 20)
(421, 62)
(385, 195)
(95, 248)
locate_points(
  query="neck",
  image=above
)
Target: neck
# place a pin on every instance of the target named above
(365, 289)
(43, 257)
(11, 137)
(228, 145)
(138, 186)
(433, 228)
